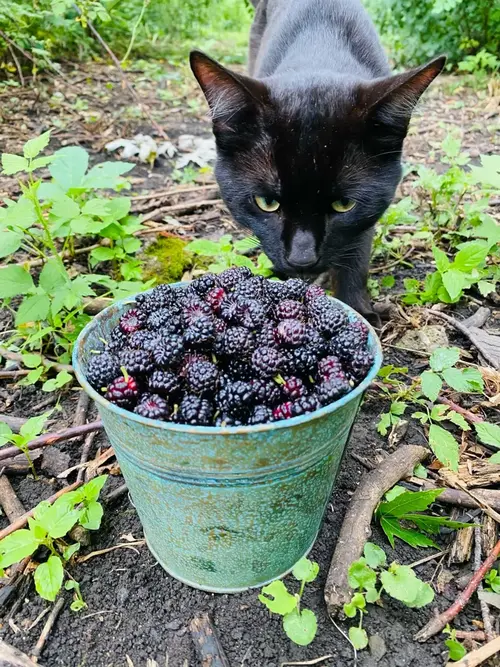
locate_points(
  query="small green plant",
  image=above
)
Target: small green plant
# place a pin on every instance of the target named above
(48, 528)
(401, 515)
(300, 625)
(456, 650)
(482, 62)
(369, 578)
(492, 581)
(226, 253)
(31, 429)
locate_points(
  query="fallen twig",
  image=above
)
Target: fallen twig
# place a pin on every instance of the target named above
(207, 642)
(439, 622)
(23, 520)
(356, 527)
(52, 438)
(185, 207)
(315, 661)
(81, 409)
(12, 375)
(171, 192)
(49, 623)
(9, 501)
(463, 499)
(87, 445)
(485, 612)
(15, 356)
(470, 416)
(116, 493)
(101, 552)
(474, 635)
(12, 657)
(478, 657)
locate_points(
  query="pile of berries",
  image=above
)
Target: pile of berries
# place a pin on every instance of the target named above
(231, 349)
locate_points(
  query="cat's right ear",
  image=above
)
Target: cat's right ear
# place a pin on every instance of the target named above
(232, 98)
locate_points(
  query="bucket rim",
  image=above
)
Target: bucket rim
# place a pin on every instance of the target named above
(220, 430)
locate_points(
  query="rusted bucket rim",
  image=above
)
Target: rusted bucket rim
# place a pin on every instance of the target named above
(219, 430)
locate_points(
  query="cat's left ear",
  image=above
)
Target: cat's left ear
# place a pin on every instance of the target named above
(390, 102)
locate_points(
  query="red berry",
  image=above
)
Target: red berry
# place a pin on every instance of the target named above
(123, 391)
(283, 411)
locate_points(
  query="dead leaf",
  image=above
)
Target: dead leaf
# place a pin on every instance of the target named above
(490, 598)
(425, 339)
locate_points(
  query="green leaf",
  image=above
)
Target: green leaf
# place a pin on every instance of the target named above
(414, 501)
(5, 433)
(69, 167)
(35, 146)
(431, 524)
(106, 175)
(384, 423)
(14, 280)
(392, 528)
(444, 446)
(388, 282)
(398, 408)
(34, 426)
(488, 434)
(48, 578)
(204, 247)
(33, 309)
(375, 556)
(131, 245)
(454, 281)
(60, 518)
(431, 385)
(350, 610)
(300, 627)
(11, 241)
(62, 378)
(486, 287)
(360, 575)
(277, 599)
(456, 650)
(119, 207)
(38, 531)
(78, 605)
(103, 254)
(305, 570)
(458, 420)
(420, 471)
(444, 357)
(470, 256)
(12, 164)
(464, 379)
(372, 595)
(70, 551)
(65, 208)
(92, 489)
(52, 277)
(17, 546)
(394, 492)
(41, 162)
(358, 638)
(32, 360)
(493, 459)
(98, 207)
(401, 583)
(92, 515)
(442, 261)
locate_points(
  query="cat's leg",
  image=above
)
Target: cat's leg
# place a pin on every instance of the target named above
(256, 32)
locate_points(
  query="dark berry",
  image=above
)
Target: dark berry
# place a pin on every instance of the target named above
(201, 377)
(266, 392)
(195, 310)
(229, 278)
(239, 369)
(169, 351)
(102, 369)
(267, 336)
(237, 341)
(294, 388)
(359, 364)
(188, 359)
(267, 361)
(195, 410)
(122, 391)
(152, 407)
(349, 339)
(316, 342)
(330, 367)
(261, 414)
(332, 389)
(290, 310)
(276, 291)
(131, 321)
(223, 420)
(291, 333)
(136, 362)
(253, 288)
(283, 411)
(163, 382)
(200, 334)
(305, 404)
(313, 292)
(162, 296)
(248, 313)
(235, 397)
(117, 340)
(305, 360)
(164, 320)
(215, 297)
(295, 288)
(204, 283)
(326, 316)
(141, 340)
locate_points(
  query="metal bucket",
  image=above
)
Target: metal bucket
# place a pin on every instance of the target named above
(226, 509)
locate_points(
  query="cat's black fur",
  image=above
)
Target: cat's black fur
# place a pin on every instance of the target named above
(320, 120)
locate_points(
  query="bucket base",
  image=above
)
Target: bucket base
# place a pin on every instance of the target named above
(207, 589)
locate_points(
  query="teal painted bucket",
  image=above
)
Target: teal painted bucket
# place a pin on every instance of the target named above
(226, 509)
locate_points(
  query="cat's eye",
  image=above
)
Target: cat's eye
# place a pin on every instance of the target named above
(343, 205)
(267, 204)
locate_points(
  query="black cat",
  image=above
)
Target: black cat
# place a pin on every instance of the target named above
(309, 148)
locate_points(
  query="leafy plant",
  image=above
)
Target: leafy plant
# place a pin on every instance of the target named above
(48, 528)
(492, 581)
(300, 625)
(31, 429)
(226, 253)
(456, 649)
(369, 578)
(401, 515)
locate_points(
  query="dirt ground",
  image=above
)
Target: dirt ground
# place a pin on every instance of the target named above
(135, 610)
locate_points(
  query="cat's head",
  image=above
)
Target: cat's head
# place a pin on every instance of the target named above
(309, 165)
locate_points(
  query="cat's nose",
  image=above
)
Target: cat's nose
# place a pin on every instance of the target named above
(302, 254)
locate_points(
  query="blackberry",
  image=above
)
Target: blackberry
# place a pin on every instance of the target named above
(359, 365)
(235, 397)
(117, 339)
(330, 367)
(195, 410)
(201, 334)
(165, 383)
(313, 292)
(326, 316)
(294, 388)
(136, 362)
(237, 341)
(239, 369)
(305, 360)
(194, 310)
(267, 361)
(332, 389)
(215, 297)
(295, 288)
(283, 411)
(204, 283)
(164, 319)
(223, 420)
(168, 352)
(288, 363)
(102, 369)
(152, 406)
(253, 288)
(248, 313)
(266, 392)
(316, 342)
(261, 414)
(122, 391)
(291, 333)
(188, 359)
(141, 339)
(267, 336)
(162, 296)
(290, 310)
(305, 404)
(276, 291)
(201, 377)
(229, 278)
(349, 339)
(131, 321)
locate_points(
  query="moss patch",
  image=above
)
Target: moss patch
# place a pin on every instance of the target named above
(166, 260)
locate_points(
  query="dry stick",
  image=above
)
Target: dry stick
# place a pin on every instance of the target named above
(470, 416)
(81, 409)
(9, 501)
(65, 255)
(186, 207)
(12, 375)
(485, 612)
(172, 191)
(478, 657)
(87, 445)
(16, 62)
(35, 654)
(207, 643)
(52, 438)
(15, 356)
(356, 527)
(12, 657)
(124, 78)
(116, 493)
(23, 520)
(439, 622)
(475, 635)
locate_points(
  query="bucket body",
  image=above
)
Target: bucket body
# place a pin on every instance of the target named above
(226, 509)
